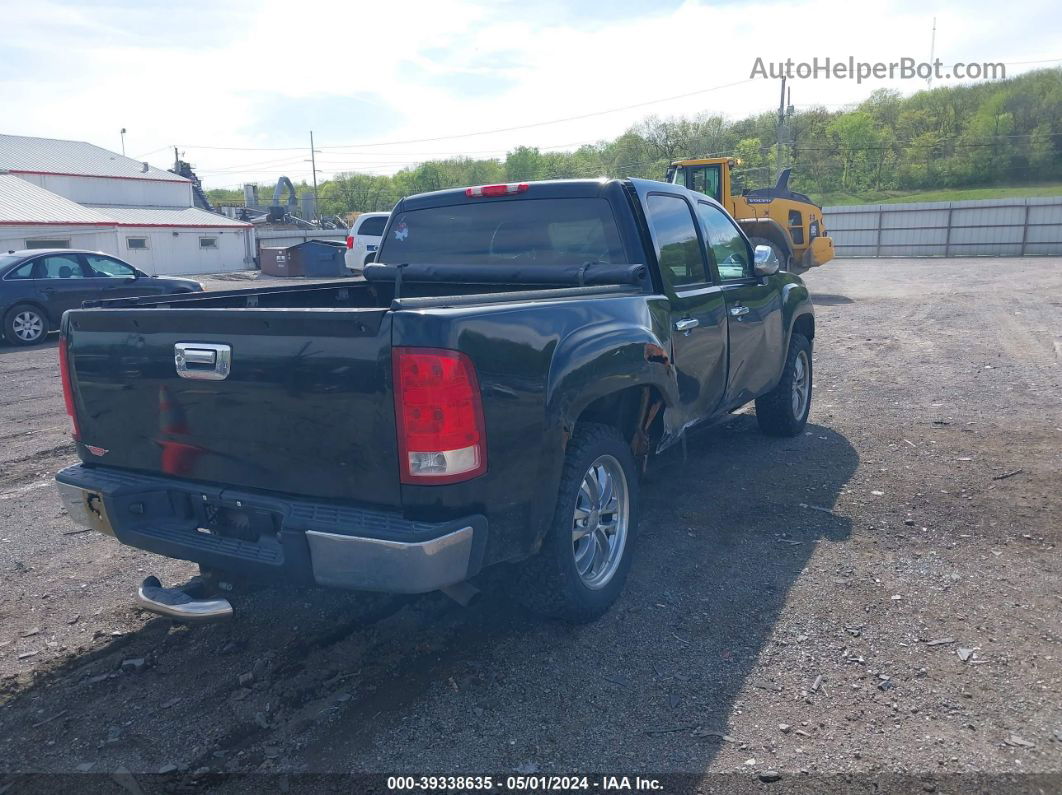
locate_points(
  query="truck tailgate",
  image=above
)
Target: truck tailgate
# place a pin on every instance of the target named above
(305, 407)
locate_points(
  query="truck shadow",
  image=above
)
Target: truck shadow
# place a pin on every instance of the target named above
(324, 681)
(7, 349)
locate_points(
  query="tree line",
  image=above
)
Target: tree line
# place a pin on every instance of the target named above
(982, 135)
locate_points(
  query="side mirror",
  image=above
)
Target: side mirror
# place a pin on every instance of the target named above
(765, 263)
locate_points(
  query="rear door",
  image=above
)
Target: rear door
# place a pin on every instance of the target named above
(753, 306)
(60, 279)
(369, 233)
(698, 333)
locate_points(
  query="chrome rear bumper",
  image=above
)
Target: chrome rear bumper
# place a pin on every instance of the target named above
(373, 564)
(332, 547)
(85, 507)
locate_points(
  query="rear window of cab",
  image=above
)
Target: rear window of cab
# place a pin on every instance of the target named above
(534, 232)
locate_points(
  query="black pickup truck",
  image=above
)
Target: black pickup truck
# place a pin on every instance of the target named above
(489, 394)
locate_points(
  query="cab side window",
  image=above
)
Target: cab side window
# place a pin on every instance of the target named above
(23, 271)
(677, 248)
(105, 266)
(728, 247)
(58, 266)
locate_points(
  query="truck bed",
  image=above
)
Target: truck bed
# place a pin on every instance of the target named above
(307, 405)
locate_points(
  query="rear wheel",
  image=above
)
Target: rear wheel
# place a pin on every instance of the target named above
(25, 324)
(784, 410)
(778, 254)
(586, 554)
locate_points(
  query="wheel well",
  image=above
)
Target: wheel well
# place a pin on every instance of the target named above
(636, 412)
(35, 305)
(769, 230)
(805, 324)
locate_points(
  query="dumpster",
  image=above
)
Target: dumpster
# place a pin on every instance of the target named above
(277, 261)
(321, 258)
(311, 258)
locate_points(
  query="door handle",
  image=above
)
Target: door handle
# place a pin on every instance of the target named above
(202, 361)
(686, 325)
(738, 311)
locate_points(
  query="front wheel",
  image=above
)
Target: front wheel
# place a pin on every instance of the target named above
(25, 325)
(784, 410)
(586, 554)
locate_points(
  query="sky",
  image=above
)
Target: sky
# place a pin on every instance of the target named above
(238, 86)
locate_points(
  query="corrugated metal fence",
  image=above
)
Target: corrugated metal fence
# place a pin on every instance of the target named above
(994, 227)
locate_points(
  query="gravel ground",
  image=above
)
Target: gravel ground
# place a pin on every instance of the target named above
(881, 595)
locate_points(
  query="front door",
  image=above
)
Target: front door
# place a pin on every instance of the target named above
(698, 318)
(753, 306)
(113, 278)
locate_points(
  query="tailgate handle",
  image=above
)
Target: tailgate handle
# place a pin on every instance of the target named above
(203, 361)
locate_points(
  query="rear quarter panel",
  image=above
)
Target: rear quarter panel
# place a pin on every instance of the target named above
(539, 365)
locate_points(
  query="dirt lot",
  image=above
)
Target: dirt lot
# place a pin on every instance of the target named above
(880, 595)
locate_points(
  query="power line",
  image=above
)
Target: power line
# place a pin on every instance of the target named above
(479, 132)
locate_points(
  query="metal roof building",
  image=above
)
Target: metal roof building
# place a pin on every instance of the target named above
(56, 194)
(24, 203)
(26, 155)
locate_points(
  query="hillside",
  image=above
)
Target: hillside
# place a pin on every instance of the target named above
(983, 140)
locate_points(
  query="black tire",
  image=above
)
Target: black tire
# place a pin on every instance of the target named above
(776, 412)
(785, 260)
(549, 583)
(15, 325)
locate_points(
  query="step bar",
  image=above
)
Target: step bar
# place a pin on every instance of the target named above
(179, 605)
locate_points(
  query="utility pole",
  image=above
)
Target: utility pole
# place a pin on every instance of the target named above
(932, 51)
(781, 123)
(123, 142)
(176, 161)
(313, 165)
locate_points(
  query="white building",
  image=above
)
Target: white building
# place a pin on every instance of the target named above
(71, 194)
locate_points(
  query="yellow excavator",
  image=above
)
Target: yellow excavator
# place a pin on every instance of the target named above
(789, 223)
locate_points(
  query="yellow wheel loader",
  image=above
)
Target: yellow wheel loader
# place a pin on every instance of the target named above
(790, 223)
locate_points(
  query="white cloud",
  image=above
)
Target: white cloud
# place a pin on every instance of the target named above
(84, 71)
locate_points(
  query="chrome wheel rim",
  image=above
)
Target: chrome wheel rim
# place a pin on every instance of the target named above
(28, 326)
(801, 384)
(599, 526)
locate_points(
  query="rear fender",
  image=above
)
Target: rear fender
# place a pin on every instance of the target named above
(594, 362)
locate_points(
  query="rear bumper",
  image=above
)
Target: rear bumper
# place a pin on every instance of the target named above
(294, 540)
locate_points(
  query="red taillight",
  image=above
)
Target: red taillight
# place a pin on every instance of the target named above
(439, 413)
(68, 392)
(481, 191)
(350, 241)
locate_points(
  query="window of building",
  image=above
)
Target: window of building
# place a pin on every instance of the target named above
(208, 242)
(136, 243)
(57, 243)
